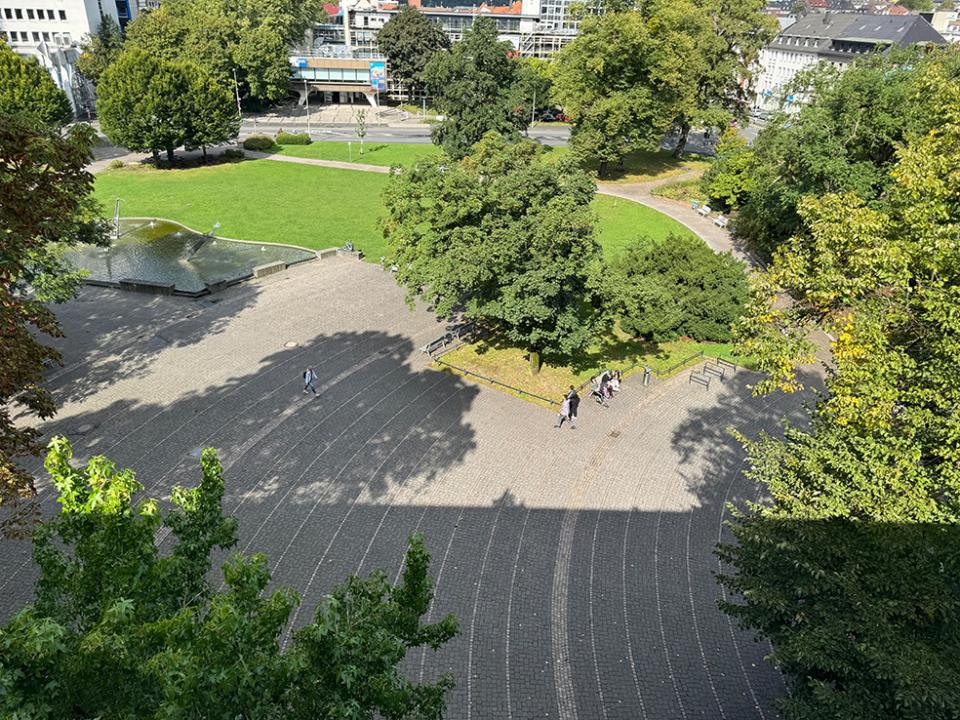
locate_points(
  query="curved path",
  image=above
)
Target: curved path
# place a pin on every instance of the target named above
(579, 563)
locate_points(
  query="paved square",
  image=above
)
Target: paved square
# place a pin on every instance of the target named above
(579, 563)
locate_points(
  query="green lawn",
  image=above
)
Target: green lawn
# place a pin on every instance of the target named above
(373, 153)
(511, 366)
(622, 221)
(315, 207)
(262, 200)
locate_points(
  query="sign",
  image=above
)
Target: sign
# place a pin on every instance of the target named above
(301, 62)
(378, 75)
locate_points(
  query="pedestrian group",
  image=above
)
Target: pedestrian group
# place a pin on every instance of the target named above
(602, 389)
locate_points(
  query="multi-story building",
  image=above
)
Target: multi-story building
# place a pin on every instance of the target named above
(50, 31)
(835, 38)
(945, 22)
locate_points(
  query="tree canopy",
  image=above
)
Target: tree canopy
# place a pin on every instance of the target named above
(678, 287)
(843, 139)
(118, 629)
(634, 72)
(47, 204)
(100, 49)
(148, 103)
(474, 86)
(408, 40)
(26, 87)
(506, 236)
(250, 37)
(852, 570)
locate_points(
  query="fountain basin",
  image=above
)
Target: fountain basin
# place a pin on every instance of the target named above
(151, 254)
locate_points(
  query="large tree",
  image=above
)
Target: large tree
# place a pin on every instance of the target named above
(26, 87)
(251, 37)
(640, 69)
(852, 568)
(473, 86)
(213, 117)
(47, 204)
(119, 630)
(505, 235)
(408, 40)
(842, 139)
(100, 49)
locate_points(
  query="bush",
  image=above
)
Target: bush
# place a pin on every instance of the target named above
(728, 179)
(259, 143)
(233, 154)
(679, 287)
(285, 138)
(115, 164)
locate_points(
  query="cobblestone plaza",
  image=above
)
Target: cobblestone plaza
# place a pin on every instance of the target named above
(578, 562)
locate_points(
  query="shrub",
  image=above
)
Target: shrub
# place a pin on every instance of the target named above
(678, 287)
(259, 143)
(285, 138)
(115, 164)
(728, 179)
(233, 154)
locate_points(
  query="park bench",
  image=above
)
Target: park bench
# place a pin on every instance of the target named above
(703, 210)
(699, 378)
(721, 221)
(714, 370)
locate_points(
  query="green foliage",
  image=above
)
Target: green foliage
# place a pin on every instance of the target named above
(678, 287)
(259, 143)
(851, 570)
(250, 37)
(233, 154)
(728, 179)
(100, 49)
(47, 205)
(26, 87)
(506, 234)
(150, 103)
(843, 139)
(409, 40)
(213, 117)
(473, 86)
(633, 72)
(143, 102)
(115, 164)
(286, 138)
(119, 630)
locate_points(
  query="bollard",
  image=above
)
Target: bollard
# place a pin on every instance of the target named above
(646, 375)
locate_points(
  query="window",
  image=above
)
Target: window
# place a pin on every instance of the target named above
(30, 14)
(40, 14)
(36, 37)
(63, 15)
(19, 13)
(46, 37)
(8, 13)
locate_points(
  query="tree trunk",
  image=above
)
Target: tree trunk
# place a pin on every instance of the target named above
(603, 168)
(682, 143)
(203, 149)
(620, 164)
(156, 157)
(535, 362)
(170, 154)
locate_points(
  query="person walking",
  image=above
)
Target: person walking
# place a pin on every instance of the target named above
(574, 401)
(564, 412)
(309, 378)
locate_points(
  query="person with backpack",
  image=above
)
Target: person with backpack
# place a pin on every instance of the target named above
(309, 378)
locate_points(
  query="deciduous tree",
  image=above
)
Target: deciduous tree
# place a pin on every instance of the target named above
(118, 629)
(851, 570)
(100, 49)
(47, 204)
(212, 118)
(26, 87)
(472, 85)
(678, 287)
(505, 235)
(408, 40)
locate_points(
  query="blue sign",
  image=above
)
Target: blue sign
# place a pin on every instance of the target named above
(301, 62)
(378, 75)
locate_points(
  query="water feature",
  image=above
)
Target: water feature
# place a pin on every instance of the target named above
(164, 252)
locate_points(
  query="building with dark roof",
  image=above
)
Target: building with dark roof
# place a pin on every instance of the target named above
(835, 38)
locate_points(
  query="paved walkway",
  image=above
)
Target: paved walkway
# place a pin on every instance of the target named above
(579, 562)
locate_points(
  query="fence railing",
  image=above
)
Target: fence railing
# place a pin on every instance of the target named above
(493, 381)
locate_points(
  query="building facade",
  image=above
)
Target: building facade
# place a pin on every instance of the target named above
(50, 31)
(835, 38)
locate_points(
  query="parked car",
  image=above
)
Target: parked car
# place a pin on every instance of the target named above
(548, 117)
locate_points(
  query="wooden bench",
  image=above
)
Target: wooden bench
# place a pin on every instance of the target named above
(721, 221)
(703, 210)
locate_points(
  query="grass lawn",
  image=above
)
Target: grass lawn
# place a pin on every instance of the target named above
(622, 221)
(511, 366)
(307, 205)
(315, 207)
(374, 153)
(643, 166)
